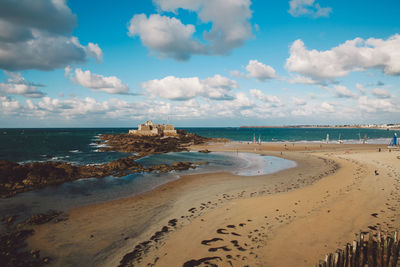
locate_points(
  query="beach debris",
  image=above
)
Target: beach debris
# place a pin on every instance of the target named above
(376, 172)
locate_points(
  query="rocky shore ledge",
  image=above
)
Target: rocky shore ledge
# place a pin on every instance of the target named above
(17, 178)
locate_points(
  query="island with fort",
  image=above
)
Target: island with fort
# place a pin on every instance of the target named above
(147, 140)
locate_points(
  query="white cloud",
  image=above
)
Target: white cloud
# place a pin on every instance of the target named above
(303, 80)
(37, 35)
(94, 51)
(174, 88)
(256, 69)
(326, 107)
(168, 36)
(260, 71)
(272, 99)
(308, 8)
(9, 105)
(381, 93)
(171, 38)
(17, 85)
(377, 105)
(298, 101)
(241, 108)
(96, 82)
(353, 55)
(48, 15)
(343, 92)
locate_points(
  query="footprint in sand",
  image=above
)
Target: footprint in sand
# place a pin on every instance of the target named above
(224, 248)
(207, 260)
(222, 231)
(207, 242)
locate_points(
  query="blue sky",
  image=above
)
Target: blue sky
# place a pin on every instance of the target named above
(198, 62)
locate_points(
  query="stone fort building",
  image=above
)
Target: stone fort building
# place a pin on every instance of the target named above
(149, 129)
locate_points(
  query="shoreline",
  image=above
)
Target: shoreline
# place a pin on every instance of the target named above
(167, 194)
(119, 226)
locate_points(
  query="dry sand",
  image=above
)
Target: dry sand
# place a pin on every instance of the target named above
(290, 218)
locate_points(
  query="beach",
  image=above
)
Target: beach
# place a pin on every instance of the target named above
(289, 218)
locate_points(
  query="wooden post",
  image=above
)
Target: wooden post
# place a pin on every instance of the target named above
(371, 251)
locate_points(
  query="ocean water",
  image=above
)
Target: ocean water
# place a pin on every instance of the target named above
(79, 145)
(374, 136)
(94, 190)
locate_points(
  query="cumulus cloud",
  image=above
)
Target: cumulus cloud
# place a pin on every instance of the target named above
(37, 35)
(17, 85)
(353, 55)
(243, 106)
(327, 107)
(303, 80)
(343, 92)
(308, 8)
(376, 105)
(298, 101)
(381, 93)
(256, 69)
(174, 88)
(272, 99)
(94, 50)
(171, 38)
(50, 15)
(9, 105)
(89, 109)
(96, 82)
(168, 36)
(260, 71)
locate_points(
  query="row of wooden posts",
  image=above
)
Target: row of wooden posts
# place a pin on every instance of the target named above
(371, 249)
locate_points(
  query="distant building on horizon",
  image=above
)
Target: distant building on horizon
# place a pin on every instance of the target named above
(149, 129)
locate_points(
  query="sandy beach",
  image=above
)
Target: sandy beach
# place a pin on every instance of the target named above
(290, 218)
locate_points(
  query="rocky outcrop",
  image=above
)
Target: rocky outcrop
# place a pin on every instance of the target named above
(151, 144)
(13, 248)
(16, 178)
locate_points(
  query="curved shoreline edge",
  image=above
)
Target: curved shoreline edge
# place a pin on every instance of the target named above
(155, 209)
(202, 204)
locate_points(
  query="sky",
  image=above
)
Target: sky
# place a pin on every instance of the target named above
(198, 63)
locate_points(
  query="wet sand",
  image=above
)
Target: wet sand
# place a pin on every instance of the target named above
(290, 218)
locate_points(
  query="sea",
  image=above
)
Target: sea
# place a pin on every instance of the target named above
(82, 146)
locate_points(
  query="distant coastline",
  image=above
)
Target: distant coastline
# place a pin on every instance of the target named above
(369, 126)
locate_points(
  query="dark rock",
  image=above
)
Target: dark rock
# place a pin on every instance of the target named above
(13, 250)
(43, 217)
